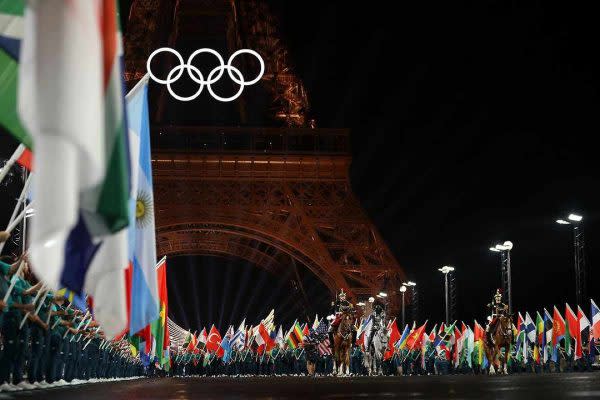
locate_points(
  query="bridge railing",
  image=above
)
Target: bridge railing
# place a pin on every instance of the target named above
(251, 140)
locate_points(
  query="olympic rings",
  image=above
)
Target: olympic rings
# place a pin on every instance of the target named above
(194, 73)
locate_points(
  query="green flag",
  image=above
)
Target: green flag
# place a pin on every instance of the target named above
(11, 33)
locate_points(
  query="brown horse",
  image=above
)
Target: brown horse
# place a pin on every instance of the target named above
(342, 343)
(502, 335)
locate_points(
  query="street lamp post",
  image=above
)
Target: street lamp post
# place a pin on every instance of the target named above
(405, 286)
(403, 290)
(446, 269)
(579, 259)
(504, 250)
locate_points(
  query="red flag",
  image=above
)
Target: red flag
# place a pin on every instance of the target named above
(394, 334)
(519, 323)
(25, 159)
(558, 327)
(457, 349)
(457, 334)
(478, 333)
(415, 338)
(584, 326)
(572, 325)
(213, 342)
(146, 336)
(442, 329)
(260, 349)
(595, 322)
(192, 344)
(263, 338)
(305, 330)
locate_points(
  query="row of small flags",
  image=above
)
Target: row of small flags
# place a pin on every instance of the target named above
(262, 339)
(542, 340)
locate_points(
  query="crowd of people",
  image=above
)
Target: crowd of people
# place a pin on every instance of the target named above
(403, 363)
(45, 340)
(48, 338)
(548, 345)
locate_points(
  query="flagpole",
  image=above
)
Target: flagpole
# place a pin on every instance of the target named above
(161, 261)
(37, 310)
(88, 342)
(137, 86)
(11, 161)
(78, 326)
(49, 315)
(84, 328)
(18, 219)
(17, 206)
(58, 319)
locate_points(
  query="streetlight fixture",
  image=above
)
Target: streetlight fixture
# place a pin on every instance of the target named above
(504, 250)
(575, 220)
(405, 286)
(446, 269)
(382, 294)
(403, 290)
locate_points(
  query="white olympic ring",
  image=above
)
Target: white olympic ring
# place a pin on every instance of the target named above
(195, 74)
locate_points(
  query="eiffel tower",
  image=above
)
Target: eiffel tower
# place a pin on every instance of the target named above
(252, 179)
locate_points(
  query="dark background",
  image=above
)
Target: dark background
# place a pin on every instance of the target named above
(471, 124)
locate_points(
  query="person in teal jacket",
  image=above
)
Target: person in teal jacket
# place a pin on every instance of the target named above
(12, 312)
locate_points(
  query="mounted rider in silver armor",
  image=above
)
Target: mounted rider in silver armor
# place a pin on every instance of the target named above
(378, 317)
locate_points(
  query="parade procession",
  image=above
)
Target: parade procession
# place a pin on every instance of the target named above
(378, 346)
(164, 184)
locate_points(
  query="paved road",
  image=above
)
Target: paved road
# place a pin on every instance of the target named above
(549, 386)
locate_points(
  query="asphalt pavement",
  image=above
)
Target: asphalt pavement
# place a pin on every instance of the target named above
(526, 386)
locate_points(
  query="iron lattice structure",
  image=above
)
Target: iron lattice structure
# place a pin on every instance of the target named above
(273, 196)
(237, 24)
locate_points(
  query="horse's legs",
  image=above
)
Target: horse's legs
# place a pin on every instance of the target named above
(348, 363)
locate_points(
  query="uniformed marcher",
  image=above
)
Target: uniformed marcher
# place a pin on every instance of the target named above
(13, 311)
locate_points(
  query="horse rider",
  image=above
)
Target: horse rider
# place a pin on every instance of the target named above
(339, 307)
(378, 318)
(498, 309)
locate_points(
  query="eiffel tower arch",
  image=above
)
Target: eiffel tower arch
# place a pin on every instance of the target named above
(264, 185)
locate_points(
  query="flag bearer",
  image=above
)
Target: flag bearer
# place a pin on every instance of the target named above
(55, 350)
(39, 327)
(11, 318)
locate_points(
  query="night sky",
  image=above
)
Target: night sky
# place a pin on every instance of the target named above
(471, 124)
